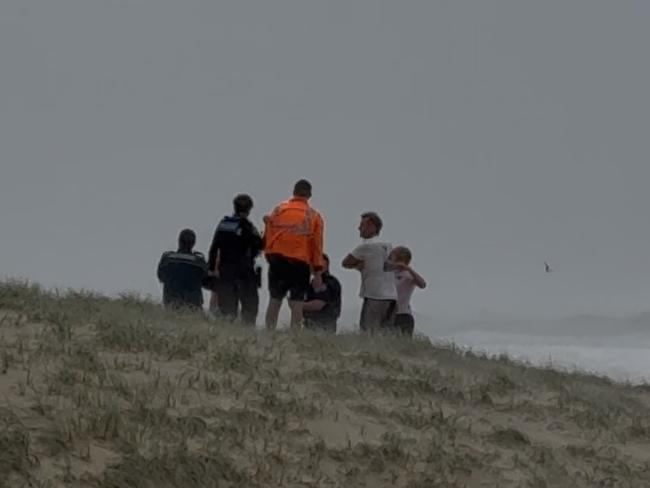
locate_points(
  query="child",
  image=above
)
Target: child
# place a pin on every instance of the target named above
(406, 279)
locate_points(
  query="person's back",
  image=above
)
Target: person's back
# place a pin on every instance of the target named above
(182, 274)
(238, 243)
(293, 230)
(293, 245)
(232, 255)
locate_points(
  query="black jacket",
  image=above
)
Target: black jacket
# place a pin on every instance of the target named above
(182, 274)
(238, 243)
(331, 295)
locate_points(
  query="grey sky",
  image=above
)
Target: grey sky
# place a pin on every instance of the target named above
(491, 135)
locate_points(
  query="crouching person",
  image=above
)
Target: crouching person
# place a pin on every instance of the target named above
(322, 307)
(182, 274)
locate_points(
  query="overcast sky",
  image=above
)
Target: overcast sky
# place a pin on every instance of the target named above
(491, 135)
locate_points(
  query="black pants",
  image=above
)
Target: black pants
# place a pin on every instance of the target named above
(405, 323)
(235, 292)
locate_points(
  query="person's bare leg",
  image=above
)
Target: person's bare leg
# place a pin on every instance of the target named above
(296, 314)
(272, 313)
(214, 302)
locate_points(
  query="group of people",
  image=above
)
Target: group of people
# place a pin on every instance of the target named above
(298, 269)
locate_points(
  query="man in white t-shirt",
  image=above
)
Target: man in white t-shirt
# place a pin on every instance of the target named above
(378, 289)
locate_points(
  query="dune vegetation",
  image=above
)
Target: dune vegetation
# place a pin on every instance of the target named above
(117, 392)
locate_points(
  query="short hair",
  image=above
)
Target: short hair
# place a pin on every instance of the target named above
(375, 219)
(187, 239)
(302, 188)
(403, 254)
(242, 203)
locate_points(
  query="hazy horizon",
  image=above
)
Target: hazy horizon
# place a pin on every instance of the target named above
(491, 135)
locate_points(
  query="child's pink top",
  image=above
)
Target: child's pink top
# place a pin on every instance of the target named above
(405, 285)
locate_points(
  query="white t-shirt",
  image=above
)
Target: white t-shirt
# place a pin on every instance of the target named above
(405, 285)
(375, 282)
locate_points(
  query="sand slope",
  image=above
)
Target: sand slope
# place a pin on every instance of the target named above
(118, 393)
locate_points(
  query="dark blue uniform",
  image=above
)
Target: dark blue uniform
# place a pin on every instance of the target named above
(182, 275)
(237, 243)
(325, 318)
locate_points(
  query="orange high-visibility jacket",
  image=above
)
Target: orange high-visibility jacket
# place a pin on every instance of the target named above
(294, 230)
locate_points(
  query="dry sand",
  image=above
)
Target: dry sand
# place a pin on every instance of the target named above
(118, 393)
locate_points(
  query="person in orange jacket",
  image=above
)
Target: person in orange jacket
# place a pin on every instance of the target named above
(293, 245)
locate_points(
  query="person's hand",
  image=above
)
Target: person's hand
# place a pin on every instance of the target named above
(317, 281)
(400, 266)
(318, 288)
(214, 274)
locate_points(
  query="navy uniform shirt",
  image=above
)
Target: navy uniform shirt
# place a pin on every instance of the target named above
(331, 295)
(182, 275)
(238, 243)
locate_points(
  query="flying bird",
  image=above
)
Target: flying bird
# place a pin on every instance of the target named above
(547, 267)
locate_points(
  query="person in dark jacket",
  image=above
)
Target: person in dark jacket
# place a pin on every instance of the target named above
(322, 307)
(231, 260)
(182, 274)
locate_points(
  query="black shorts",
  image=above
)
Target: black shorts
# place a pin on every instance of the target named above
(288, 276)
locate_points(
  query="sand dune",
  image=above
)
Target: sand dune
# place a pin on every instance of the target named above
(118, 393)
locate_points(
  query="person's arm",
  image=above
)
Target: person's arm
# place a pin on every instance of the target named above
(269, 227)
(321, 296)
(316, 250)
(257, 242)
(318, 261)
(213, 254)
(217, 260)
(417, 279)
(202, 263)
(354, 260)
(162, 268)
(393, 266)
(207, 280)
(350, 262)
(314, 305)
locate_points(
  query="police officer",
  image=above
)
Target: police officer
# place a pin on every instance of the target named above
(182, 274)
(232, 255)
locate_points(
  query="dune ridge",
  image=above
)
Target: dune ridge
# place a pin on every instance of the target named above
(117, 392)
